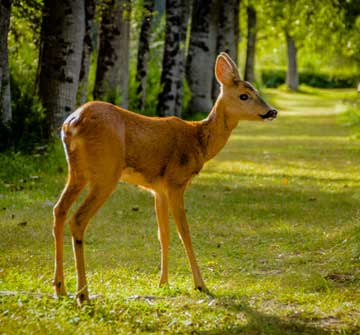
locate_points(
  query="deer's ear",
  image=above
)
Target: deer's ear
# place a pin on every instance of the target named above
(225, 72)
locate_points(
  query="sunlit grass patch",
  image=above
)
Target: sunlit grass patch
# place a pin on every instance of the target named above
(274, 221)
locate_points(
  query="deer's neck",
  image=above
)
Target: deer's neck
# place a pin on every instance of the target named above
(216, 129)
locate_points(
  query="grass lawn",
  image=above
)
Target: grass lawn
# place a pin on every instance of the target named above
(275, 225)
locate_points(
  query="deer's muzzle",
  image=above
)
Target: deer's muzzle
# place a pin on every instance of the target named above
(270, 115)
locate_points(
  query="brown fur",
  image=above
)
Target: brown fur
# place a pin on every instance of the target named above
(105, 144)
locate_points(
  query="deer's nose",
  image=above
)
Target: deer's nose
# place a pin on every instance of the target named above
(272, 113)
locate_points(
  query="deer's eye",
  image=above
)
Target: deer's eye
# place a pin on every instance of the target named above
(244, 97)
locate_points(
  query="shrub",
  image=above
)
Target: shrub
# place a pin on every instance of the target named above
(27, 127)
(352, 116)
(273, 78)
(276, 77)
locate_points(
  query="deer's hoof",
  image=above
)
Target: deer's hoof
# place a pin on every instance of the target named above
(202, 289)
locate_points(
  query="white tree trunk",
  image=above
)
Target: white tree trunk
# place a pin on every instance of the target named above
(62, 36)
(228, 34)
(112, 73)
(5, 95)
(201, 55)
(170, 98)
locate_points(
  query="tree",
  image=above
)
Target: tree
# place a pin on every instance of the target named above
(143, 52)
(292, 76)
(62, 33)
(228, 28)
(88, 47)
(251, 41)
(185, 10)
(112, 72)
(5, 95)
(170, 98)
(227, 34)
(201, 54)
(322, 22)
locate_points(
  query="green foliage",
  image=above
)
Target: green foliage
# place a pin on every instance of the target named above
(352, 116)
(273, 77)
(153, 84)
(276, 77)
(28, 115)
(326, 33)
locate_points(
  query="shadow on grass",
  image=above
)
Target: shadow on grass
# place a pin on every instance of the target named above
(260, 323)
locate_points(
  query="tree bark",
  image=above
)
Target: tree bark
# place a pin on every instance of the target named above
(185, 10)
(292, 77)
(112, 73)
(143, 53)
(251, 43)
(5, 94)
(62, 33)
(201, 55)
(237, 27)
(88, 47)
(228, 34)
(170, 99)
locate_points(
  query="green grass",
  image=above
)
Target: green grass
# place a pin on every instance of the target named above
(274, 222)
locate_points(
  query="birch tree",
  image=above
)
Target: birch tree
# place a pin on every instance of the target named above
(170, 98)
(201, 54)
(112, 73)
(227, 34)
(62, 34)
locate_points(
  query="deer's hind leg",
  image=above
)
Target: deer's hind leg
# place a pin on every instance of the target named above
(72, 189)
(98, 194)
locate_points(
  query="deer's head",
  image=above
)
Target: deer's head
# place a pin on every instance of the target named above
(241, 99)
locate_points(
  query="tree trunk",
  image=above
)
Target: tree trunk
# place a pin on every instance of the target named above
(251, 42)
(125, 54)
(201, 55)
(143, 53)
(228, 34)
(292, 77)
(88, 47)
(5, 95)
(62, 32)
(237, 27)
(170, 99)
(185, 10)
(112, 73)
(226, 40)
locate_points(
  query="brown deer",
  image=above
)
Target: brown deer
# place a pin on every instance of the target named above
(104, 144)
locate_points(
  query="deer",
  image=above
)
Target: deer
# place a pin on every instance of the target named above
(105, 144)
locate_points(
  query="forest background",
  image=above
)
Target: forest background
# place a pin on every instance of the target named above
(156, 57)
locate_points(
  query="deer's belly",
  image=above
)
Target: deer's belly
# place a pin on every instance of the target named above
(130, 175)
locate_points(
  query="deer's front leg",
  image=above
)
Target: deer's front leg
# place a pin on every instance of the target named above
(176, 202)
(162, 216)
